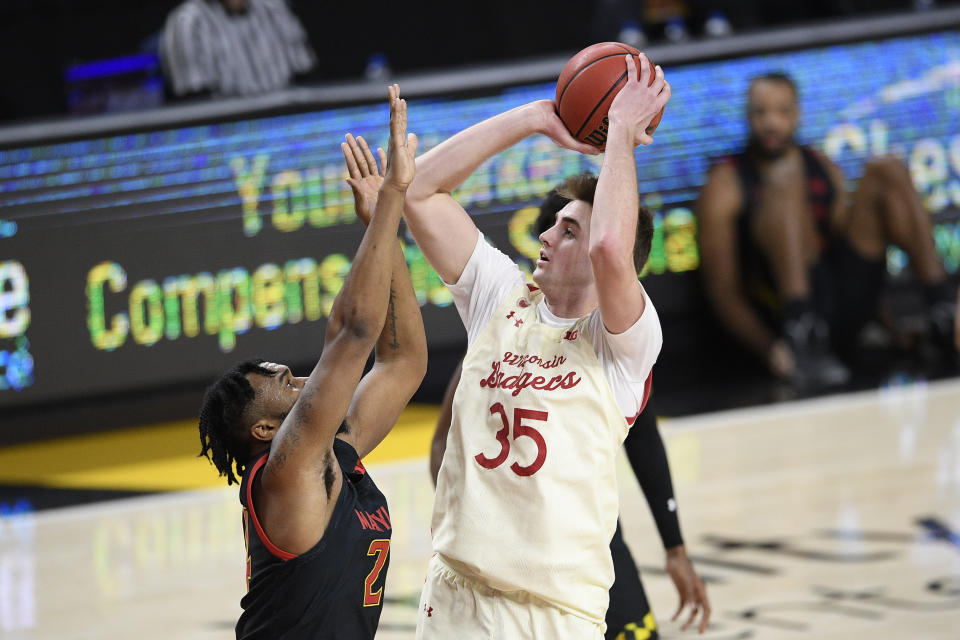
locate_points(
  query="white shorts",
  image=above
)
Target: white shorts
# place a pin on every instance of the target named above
(454, 606)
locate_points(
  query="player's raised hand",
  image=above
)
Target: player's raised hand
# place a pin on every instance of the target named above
(639, 101)
(403, 146)
(365, 177)
(690, 588)
(552, 127)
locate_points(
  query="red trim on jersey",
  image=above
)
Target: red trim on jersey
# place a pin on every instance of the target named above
(646, 396)
(272, 548)
(532, 287)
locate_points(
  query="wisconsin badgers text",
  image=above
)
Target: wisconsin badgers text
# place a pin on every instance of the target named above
(520, 381)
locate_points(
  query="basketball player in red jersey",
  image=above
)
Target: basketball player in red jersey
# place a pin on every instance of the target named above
(526, 501)
(794, 267)
(317, 528)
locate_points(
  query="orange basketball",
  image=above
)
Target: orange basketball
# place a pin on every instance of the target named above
(588, 84)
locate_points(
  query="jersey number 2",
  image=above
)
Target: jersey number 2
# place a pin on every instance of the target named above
(520, 430)
(380, 548)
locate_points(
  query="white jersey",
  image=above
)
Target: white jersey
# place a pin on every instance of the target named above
(626, 358)
(527, 496)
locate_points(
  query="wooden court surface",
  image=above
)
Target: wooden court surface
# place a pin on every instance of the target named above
(829, 518)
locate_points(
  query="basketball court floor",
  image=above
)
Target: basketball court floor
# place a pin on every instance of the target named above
(829, 518)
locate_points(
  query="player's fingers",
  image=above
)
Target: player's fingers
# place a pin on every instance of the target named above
(394, 116)
(694, 610)
(402, 110)
(657, 82)
(358, 157)
(680, 606)
(689, 600)
(358, 153)
(570, 142)
(412, 143)
(368, 158)
(631, 67)
(383, 160)
(704, 604)
(705, 620)
(645, 66)
(352, 167)
(398, 123)
(664, 95)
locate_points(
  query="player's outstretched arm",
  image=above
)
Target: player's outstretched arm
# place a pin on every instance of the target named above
(613, 223)
(442, 228)
(401, 350)
(301, 452)
(648, 458)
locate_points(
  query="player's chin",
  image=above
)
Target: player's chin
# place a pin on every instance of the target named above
(539, 270)
(774, 146)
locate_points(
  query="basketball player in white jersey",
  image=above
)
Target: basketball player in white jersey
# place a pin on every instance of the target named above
(526, 499)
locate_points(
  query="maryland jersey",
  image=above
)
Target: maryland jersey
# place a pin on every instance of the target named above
(334, 590)
(527, 495)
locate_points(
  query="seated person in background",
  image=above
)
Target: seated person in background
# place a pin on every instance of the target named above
(233, 48)
(793, 266)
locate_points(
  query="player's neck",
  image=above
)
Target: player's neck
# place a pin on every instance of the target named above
(567, 303)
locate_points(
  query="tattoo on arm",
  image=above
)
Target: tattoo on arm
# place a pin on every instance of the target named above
(291, 437)
(392, 319)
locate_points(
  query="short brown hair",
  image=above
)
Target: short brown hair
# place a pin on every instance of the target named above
(583, 186)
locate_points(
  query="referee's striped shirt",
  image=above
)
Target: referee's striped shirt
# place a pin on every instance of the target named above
(206, 48)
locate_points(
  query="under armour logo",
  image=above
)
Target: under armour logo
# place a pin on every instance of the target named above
(511, 314)
(428, 610)
(518, 322)
(571, 335)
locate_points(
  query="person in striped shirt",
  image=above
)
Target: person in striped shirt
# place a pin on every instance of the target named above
(233, 48)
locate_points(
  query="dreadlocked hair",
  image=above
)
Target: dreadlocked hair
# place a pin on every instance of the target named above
(220, 419)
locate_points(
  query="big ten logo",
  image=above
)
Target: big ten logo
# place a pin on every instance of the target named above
(230, 302)
(934, 166)
(17, 566)
(318, 196)
(16, 363)
(133, 553)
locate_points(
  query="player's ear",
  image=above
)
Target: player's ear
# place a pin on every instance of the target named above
(264, 429)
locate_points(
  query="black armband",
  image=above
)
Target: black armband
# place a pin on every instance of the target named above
(648, 457)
